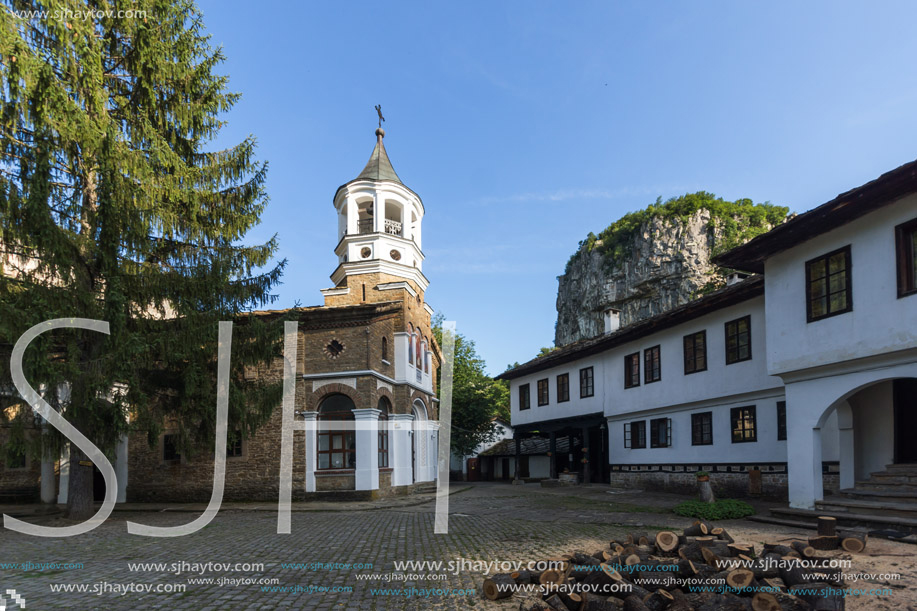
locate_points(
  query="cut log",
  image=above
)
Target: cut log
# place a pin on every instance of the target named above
(803, 549)
(740, 550)
(572, 600)
(722, 535)
(632, 560)
(853, 541)
(775, 584)
(779, 601)
(633, 603)
(793, 573)
(827, 526)
(594, 602)
(666, 542)
(820, 596)
(726, 602)
(658, 600)
(711, 557)
(524, 577)
(742, 580)
(825, 542)
(767, 566)
(501, 585)
(533, 604)
(773, 548)
(637, 538)
(552, 576)
(705, 540)
(686, 568)
(691, 551)
(765, 601)
(698, 599)
(697, 529)
(554, 602)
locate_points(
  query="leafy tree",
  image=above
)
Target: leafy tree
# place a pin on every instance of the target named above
(113, 207)
(476, 397)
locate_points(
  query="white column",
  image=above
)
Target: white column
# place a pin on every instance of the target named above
(353, 215)
(121, 469)
(400, 448)
(845, 447)
(433, 453)
(367, 438)
(406, 213)
(378, 212)
(804, 470)
(64, 484)
(311, 421)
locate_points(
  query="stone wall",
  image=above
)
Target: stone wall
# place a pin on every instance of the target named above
(728, 480)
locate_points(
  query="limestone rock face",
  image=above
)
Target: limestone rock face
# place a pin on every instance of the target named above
(668, 263)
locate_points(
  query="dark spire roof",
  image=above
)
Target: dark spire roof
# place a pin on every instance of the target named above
(379, 167)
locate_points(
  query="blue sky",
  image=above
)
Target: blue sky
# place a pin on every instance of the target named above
(526, 125)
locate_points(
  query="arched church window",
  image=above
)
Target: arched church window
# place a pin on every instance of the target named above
(385, 407)
(419, 349)
(411, 344)
(336, 448)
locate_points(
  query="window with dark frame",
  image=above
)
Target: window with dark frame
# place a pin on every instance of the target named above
(828, 285)
(906, 254)
(234, 445)
(632, 370)
(525, 397)
(635, 434)
(744, 426)
(695, 352)
(702, 429)
(544, 392)
(170, 451)
(384, 348)
(384, 407)
(652, 367)
(660, 432)
(563, 387)
(586, 382)
(16, 460)
(738, 340)
(781, 420)
(337, 449)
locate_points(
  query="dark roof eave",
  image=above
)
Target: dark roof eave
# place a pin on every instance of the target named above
(843, 209)
(725, 297)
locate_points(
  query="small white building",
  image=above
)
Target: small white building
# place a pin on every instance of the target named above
(799, 378)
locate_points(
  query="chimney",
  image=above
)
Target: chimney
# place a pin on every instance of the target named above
(612, 320)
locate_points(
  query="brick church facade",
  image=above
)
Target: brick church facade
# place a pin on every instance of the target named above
(365, 379)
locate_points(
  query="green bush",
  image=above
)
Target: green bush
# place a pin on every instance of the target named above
(723, 509)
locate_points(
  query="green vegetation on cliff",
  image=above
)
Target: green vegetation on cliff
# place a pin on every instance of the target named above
(737, 222)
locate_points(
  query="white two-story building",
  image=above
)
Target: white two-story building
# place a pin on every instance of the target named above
(799, 377)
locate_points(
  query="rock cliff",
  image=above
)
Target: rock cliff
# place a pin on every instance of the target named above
(653, 260)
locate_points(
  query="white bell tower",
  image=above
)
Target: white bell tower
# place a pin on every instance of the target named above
(379, 224)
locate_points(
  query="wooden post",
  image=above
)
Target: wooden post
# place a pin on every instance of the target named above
(587, 476)
(518, 455)
(553, 449)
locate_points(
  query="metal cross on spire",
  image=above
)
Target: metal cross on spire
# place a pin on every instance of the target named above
(379, 112)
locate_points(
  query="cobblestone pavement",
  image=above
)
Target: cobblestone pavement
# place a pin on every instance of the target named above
(488, 522)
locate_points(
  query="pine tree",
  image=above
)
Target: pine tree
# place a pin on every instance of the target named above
(114, 207)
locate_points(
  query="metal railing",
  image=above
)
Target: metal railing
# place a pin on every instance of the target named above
(391, 227)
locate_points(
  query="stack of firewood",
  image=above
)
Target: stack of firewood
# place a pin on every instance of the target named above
(703, 568)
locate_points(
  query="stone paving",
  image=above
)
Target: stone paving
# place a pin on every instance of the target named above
(488, 522)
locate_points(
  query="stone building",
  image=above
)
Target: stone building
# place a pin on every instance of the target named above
(365, 376)
(367, 355)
